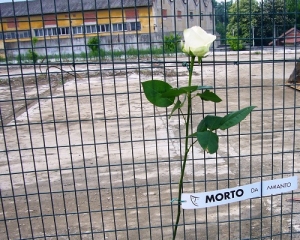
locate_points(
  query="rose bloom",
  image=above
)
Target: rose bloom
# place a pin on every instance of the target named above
(197, 41)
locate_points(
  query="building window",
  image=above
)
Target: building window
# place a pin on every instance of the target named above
(39, 32)
(9, 35)
(119, 27)
(13, 35)
(164, 13)
(90, 29)
(24, 34)
(45, 32)
(103, 28)
(50, 31)
(191, 15)
(135, 26)
(202, 16)
(179, 14)
(77, 30)
(63, 31)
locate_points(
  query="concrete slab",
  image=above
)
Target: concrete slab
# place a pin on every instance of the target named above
(93, 155)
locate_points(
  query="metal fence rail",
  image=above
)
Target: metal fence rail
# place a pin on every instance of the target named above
(84, 155)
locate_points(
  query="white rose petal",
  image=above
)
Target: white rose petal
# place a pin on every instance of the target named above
(197, 41)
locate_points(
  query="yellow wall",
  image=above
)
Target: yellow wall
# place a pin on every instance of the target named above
(63, 20)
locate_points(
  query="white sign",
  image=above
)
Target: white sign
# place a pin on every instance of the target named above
(278, 186)
(230, 195)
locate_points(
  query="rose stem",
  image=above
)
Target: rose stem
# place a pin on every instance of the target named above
(187, 123)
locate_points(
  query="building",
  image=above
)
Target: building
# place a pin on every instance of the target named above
(181, 14)
(290, 38)
(71, 22)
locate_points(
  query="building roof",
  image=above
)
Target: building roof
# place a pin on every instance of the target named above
(38, 7)
(290, 36)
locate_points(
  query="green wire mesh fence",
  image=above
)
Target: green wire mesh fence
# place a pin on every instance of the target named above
(83, 155)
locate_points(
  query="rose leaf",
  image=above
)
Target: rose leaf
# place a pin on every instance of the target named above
(208, 140)
(235, 118)
(154, 90)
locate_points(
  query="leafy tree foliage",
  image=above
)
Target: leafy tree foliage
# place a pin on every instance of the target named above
(293, 8)
(235, 43)
(272, 21)
(270, 18)
(93, 44)
(31, 53)
(171, 43)
(242, 17)
(221, 29)
(221, 12)
(221, 18)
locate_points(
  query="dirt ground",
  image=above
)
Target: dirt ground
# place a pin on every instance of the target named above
(85, 156)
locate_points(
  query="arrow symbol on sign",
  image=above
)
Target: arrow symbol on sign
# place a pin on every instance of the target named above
(194, 200)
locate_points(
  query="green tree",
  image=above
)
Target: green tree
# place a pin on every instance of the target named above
(221, 29)
(93, 44)
(171, 43)
(235, 43)
(221, 18)
(221, 12)
(272, 21)
(31, 53)
(293, 9)
(242, 16)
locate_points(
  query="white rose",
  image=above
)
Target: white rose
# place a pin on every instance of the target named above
(197, 41)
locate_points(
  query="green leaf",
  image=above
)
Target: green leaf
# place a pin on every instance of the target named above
(208, 140)
(175, 92)
(213, 122)
(177, 105)
(202, 126)
(209, 96)
(235, 118)
(154, 89)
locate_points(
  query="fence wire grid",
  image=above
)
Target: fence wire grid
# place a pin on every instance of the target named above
(84, 155)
